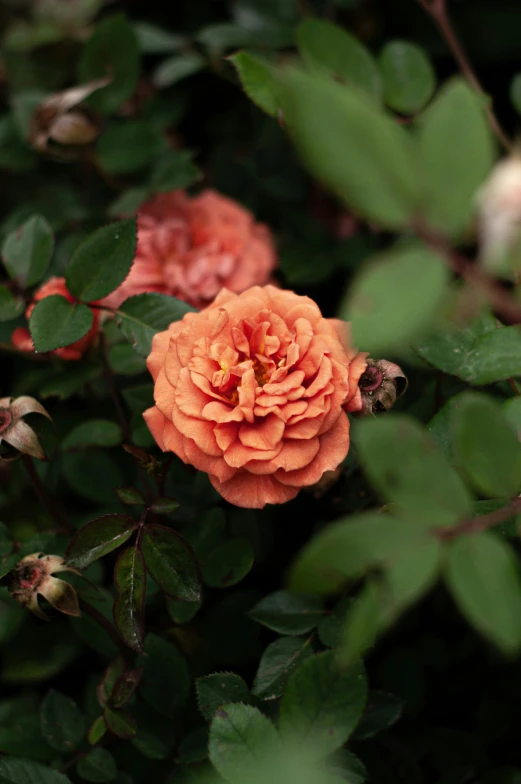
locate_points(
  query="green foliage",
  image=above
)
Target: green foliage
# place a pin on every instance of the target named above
(63, 724)
(141, 316)
(220, 689)
(55, 322)
(408, 77)
(288, 613)
(257, 81)
(171, 563)
(129, 580)
(27, 251)
(98, 538)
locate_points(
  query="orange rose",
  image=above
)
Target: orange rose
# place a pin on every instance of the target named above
(21, 337)
(253, 390)
(191, 248)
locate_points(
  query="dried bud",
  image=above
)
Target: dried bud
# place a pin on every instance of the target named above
(499, 216)
(381, 384)
(144, 459)
(14, 431)
(54, 121)
(32, 576)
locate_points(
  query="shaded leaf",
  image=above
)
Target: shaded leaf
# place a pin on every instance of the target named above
(119, 723)
(63, 723)
(166, 679)
(219, 689)
(408, 77)
(171, 563)
(102, 261)
(27, 251)
(99, 537)
(176, 68)
(288, 613)
(130, 582)
(97, 766)
(277, 662)
(11, 306)
(55, 323)
(94, 432)
(17, 770)
(228, 563)
(141, 316)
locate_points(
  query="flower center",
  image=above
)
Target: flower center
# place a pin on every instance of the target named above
(5, 419)
(30, 576)
(261, 372)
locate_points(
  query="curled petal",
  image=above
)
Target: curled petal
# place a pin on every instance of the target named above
(23, 438)
(61, 595)
(27, 405)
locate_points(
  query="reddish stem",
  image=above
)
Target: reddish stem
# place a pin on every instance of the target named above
(482, 523)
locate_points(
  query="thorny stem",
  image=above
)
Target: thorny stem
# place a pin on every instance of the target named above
(109, 629)
(53, 509)
(437, 10)
(476, 524)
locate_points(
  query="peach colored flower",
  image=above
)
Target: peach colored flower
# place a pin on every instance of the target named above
(252, 390)
(191, 248)
(21, 337)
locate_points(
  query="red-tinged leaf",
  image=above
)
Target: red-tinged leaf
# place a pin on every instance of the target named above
(98, 538)
(171, 563)
(125, 686)
(129, 607)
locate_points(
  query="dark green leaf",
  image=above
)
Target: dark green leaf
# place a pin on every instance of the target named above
(323, 703)
(384, 316)
(27, 251)
(229, 563)
(98, 538)
(155, 737)
(93, 474)
(331, 626)
(55, 322)
(457, 155)
(176, 68)
(102, 261)
(241, 736)
(409, 79)
(66, 383)
(128, 203)
(22, 734)
(381, 712)
(182, 612)
(97, 766)
(175, 169)
(130, 495)
(480, 353)
(288, 613)
(130, 582)
(349, 548)
(486, 446)
(482, 574)
(119, 723)
(63, 723)
(363, 623)
(140, 397)
(124, 686)
(219, 689)
(194, 746)
(171, 563)
(11, 306)
(358, 152)
(326, 47)
(94, 432)
(23, 771)
(164, 505)
(140, 317)
(166, 679)
(403, 463)
(257, 81)
(412, 574)
(124, 360)
(113, 51)
(278, 661)
(126, 146)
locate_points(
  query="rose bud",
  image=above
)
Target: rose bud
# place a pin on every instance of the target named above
(32, 577)
(381, 384)
(14, 431)
(499, 217)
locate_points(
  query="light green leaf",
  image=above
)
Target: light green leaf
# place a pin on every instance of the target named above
(486, 446)
(379, 305)
(457, 154)
(140, 317)
(403, 463)
(241, 736)
(27, 251)
(102, 261)
(288, 613)
(409, 79)
(257, 81)
(112, 50)
(355, 149)
(322, 703)
(326, 47)
(176, 68)
(482, 574)
(362, 625)
(55, 322)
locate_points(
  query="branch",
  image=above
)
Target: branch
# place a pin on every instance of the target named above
(476, 524)
(437, 10)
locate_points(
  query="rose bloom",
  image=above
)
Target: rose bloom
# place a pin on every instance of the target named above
(254, 390)
(21, 337)
(191, 248)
